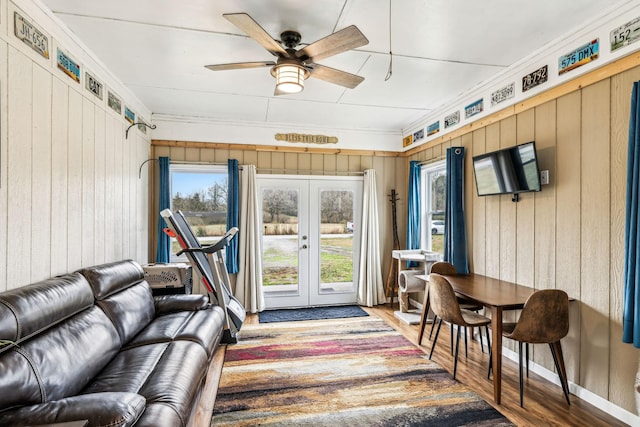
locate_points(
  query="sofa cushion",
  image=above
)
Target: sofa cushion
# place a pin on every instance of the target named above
(204, 327)
(172, 303)
(130, 310)
(33, 308)
(159, 415)
(108, 279)
(58, 362)
(168, 374)
(100, 409)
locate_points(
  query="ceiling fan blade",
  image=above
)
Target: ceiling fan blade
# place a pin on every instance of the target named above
(338, 42)
(336, 77)
(256, 32)
(240, 65)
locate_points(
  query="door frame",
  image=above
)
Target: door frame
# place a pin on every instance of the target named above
(308, 287)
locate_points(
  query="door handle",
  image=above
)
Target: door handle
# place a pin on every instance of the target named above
(304, 246)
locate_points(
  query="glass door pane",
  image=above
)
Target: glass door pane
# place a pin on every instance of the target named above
(335, 213)
(284, 263)
(336, 241)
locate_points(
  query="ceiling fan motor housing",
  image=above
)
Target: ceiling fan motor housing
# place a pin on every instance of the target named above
(290, 38)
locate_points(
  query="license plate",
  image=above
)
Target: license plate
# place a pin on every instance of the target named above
(25, 31)
(503, 94)
(579, 57)
(535, 78)
(625, 35)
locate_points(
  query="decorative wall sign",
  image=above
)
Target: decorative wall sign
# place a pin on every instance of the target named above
(417, 136)
(407, 140)
(69, 66)
(535, 78)
(30, 35)
(507, 92)
(433, 128)
(311, 139)
(474, 108)
(114, 102)
(452, 119)
(93, 85)
(625, 35)
(129, 115)
(579, 57)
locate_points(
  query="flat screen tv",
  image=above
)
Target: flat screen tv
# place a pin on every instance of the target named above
(510, 170)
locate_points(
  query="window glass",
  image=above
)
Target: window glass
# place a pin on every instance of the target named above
(200, 193)
(434, 196)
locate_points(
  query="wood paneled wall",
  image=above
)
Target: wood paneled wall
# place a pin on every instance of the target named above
(571, 234)
(70, 195)
(390, 174)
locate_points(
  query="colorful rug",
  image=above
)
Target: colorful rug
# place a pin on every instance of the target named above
(311, 313)
(347, 372)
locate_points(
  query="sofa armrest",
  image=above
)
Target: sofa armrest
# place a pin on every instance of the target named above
(114, 409)
(172, 303)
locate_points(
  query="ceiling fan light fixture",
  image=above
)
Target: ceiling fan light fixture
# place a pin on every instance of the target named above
(289, 77)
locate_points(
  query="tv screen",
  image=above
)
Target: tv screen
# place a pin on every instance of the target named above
(508, 171)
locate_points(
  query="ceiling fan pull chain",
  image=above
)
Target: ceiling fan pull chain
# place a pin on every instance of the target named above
(390, 71)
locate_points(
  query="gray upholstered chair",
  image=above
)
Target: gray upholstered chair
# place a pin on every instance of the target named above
(543, 320)
(444, 304)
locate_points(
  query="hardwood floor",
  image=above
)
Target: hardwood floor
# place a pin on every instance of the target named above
(544, 403)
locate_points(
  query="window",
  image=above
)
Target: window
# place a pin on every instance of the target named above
(433, 197)
(200, 193)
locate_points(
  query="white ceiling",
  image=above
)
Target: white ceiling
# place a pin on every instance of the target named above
(441, 48)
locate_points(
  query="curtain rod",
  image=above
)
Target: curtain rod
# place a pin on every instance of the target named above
(181, 162)
(433, 160)
(184, 162)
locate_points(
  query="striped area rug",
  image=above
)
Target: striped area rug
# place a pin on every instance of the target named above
(340, 372)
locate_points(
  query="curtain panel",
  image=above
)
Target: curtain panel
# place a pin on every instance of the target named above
(249, 280)
(455, 230)
(631, 296)
(370, 286)
(413, 209)
(163, 252)
(233, 202)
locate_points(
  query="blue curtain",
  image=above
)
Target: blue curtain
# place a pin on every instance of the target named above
(455, 230)
(631, 297)
(164, 243)
(413, 209)
(233, 201)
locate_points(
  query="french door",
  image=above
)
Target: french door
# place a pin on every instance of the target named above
(310, 239)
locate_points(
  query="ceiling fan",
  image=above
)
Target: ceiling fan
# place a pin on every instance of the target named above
(294, 66)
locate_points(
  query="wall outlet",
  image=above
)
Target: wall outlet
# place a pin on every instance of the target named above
(544, 177)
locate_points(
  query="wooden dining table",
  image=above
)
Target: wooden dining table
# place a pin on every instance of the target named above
(496, 295)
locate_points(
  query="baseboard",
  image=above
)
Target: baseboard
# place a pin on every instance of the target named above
(575, 389)
(579, 391)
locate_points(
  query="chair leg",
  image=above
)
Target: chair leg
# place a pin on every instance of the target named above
(556, 352)
(520, 372)
(527, 350)
(435, 339)
(481, 343)
(455, 360)
(433, 324)
(486, 329)
(451, 336)
(466, 345)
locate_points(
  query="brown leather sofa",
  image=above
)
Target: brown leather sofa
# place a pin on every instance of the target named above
(96, 345)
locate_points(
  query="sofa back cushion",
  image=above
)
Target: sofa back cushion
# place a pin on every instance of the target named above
(121, 291)
(108, 279)
(62, 341)
(28, 310)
